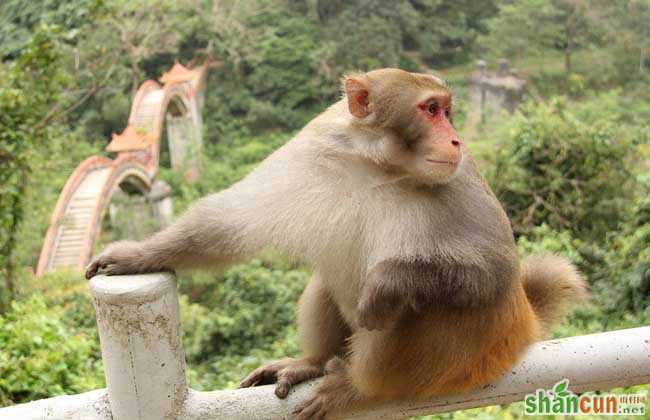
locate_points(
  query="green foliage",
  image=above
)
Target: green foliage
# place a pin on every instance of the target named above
(565, 168)
(301, 53)
(614, 32)
(18, 20)
(446, 31)
(65, 293)
(622, 278)
(249, 307)
(41, 356)
(506, 36)
(129, 216)
(550, 25)
(573, 178)
(625, 29)
(28, 86)
(372, 32)
(272, 85)
(244, 318)
(542, 239)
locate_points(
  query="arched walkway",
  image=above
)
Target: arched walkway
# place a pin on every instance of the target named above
(76, 220)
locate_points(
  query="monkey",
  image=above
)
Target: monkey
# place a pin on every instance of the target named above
(417, 289)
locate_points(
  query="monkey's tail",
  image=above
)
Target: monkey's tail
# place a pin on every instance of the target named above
(552, 284)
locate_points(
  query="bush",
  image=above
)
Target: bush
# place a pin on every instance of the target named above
(542, 239)
(247, 308)
(569, 172)
(622, 279)
(239, 321)
(42, 356)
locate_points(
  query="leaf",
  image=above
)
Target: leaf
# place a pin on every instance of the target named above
(560, 388)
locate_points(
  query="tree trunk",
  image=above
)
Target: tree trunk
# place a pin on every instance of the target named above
(568, 50)
(135, 76)
(567, 59)
(10, 244)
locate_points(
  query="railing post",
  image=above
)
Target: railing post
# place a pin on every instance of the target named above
(139, 331)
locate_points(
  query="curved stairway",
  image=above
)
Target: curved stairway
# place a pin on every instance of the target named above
(76, 220)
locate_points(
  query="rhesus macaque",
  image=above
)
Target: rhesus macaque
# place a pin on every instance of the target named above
(417, 288)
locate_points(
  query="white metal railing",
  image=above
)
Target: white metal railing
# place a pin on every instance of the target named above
(144, 363)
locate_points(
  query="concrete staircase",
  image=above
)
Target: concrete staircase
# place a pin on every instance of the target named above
(147, 110)
(76, 221)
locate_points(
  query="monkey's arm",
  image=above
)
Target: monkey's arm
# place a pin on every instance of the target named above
(222, 228)
(206, 235)
(396, 286)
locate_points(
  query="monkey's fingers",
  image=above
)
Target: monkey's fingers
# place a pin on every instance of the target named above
(283, 387)
(290, 376)
(261, 376)
(92, 269)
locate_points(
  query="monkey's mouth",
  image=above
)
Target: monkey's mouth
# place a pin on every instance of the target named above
(444, 162)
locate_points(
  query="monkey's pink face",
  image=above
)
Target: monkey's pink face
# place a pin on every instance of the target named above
(424, 143)
(435, 153)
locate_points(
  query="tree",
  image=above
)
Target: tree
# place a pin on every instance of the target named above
(135, 31)
(531, 27)
(28, 87)
(575, 28)
(19, 19)
(367, 34)
(626, 24)
(446, 30)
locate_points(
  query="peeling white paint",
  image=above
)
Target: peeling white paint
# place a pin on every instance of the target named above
(91, 405)
(139, 329)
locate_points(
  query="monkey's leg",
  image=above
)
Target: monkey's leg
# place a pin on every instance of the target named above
(322, 333)
(436, 352)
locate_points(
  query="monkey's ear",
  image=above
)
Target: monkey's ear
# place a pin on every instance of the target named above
(358, 92)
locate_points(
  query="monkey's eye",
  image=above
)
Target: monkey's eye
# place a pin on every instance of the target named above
(448, 113)
(433, 108)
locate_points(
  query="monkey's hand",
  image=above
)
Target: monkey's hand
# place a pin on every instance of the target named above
(124, 257)
(380, 306)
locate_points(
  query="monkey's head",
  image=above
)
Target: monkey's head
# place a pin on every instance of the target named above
(409, 116)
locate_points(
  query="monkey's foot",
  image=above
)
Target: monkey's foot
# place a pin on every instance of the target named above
(333, 394)
(285, 373)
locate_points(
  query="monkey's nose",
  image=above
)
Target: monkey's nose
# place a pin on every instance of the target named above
(455, 142)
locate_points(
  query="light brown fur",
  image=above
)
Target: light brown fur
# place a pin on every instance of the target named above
(417, 288)
(551, 284)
